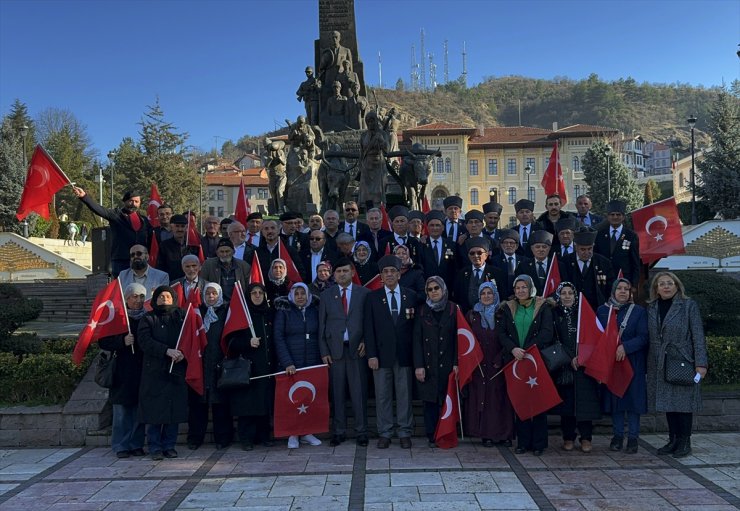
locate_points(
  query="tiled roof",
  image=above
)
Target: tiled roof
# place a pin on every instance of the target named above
(583, 129)
(256, 176)
(440, 127)
(511, 135)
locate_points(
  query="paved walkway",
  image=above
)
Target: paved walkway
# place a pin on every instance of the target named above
(348, 477)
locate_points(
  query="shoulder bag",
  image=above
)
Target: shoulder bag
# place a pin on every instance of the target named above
(233, 373)
(105, 369)
(678, 370)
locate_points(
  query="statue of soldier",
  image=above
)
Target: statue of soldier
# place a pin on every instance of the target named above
(332, 66)
(356, 108)
(309, 92)
(374, 144)
(302, 136)
(276, 173)
(336, 110)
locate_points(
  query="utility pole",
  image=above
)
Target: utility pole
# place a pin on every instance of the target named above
(446, 64)
(423, 69)
(380, 70)
(465, 66)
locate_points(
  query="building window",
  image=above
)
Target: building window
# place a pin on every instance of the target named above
(493, 193)
(577, 190)
(219, 195)
(211, 195)
(221, 211)
(576, 164)
(493, 167)
(440, 166)
(531, 194)
(681, 181)
(448, 165)
(211, 211)
(531, 162)
(546, 162)
(474, 196)
(473, 166)
(248, 192)
(512, 195)
(512, 222)
(511, 166)
(262, 193)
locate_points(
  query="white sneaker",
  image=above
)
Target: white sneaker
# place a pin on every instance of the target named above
(293, 442)
(310, 439)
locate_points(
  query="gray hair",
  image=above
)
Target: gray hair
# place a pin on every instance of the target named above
(134, 289)
(190, 258)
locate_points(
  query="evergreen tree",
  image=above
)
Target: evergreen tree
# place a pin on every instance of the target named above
(12, 176)
(19, 118)
(652, 192)
(595, 170)
(718, 176)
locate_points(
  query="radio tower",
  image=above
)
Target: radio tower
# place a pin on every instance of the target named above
(465, 66)
(380, 70)
(446, 65)
(414, 70)
(423, 67)
(432, 72)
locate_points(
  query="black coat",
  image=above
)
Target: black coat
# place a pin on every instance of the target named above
(435, 350)
(524, 248)
(385, 340)
(169, 259)
(529, 267)
(326, 255)
(413, 279)
(297, 334)
(462, 281)
(366, 271)
(626, 254)
(255, 400)
(448, 265)
(389, 243)
(163, 396)
(501, 261)
(540, 331)
(596, 284)
(127, 376)
(123, 236)
(374, 241)
(212, 355)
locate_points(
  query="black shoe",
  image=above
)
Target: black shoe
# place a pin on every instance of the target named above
(157, 456)
(432, 444)
(337, 440)
(505, 443)
(137, 452)
(122, 454)
(631, 446)
(193, 445)
(670, 447)
(222, 446)
(405, 442)
(538, 452)
(487, 442)
(362, 440)
(247, 446)
(170, 453)
(683, 447)
(616, 443)
(520, 450)
(268, 443)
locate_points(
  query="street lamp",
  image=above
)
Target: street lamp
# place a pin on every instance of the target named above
(691, 122)
(608, 152)
(528, 171)
(24, 132)
(201, 171)
(111, 155)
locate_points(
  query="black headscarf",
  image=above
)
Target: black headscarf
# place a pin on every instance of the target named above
(264, 307)
(164, 309)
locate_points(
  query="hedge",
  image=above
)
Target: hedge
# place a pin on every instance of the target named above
(718, 298)
(724, 360)
(15, 309)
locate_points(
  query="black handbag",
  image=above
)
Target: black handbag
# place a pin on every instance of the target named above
(678, 370)
(555, 357)
(106, 369)
(233, 373)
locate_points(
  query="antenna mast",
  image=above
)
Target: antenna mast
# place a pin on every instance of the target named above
(465, 66)
(446, 64)
(423, 70)
(380, 70)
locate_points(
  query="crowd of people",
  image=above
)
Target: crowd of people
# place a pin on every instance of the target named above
(396, 340)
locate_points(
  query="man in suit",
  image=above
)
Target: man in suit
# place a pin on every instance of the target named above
(539, 266)
(492, 215)
(477, 271)
(317, 252)
(141, 273)
(591, 273)
(342, 346)
(237, 234)
(399, 216)
(416, 224)
(191, 282)
(331, 228)
(584, 216)
(510, 262)
(289, 232)
(439, 256)
(164, 230)
(209, 240)
(620, 244)
(474, 222)
(268, 251)
(454, 227)
(254, 226)
(566, 229)
(553, 213)
(375, 232)
(388, 328)
(225, 269)
(171, 251)
(350, 224)
(525, 215)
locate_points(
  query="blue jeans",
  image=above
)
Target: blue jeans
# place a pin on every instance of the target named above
(127, 433)
(633, 424)
(161, 437)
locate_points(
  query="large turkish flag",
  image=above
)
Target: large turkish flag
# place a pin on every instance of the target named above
(192, 343)
(531, 390)
(445, 436)
(302, 402)
(107, 317)
(659, 228)
(469, 352)
(43, 180)
(152, 208)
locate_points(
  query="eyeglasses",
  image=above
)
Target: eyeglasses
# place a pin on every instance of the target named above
(316, 239)
(434, 288)
(137, 254)
(476, 253)
(351, 209)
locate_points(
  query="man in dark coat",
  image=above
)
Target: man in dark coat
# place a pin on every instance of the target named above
(454, 227)
(584, 216)
(128, 226)
(375, 232)
(539, 266)
(269, 250)
(164, 230)
(474, 222)
(551, 217)
(591, 273)
(492, 215)
(525, 215)
(289, 233)
(476, 271)
(509, 262)
(399, 216)
(439, 255)
(316, 252)
(225, 270)
(619, 244)
(350, 224)
(388, 329)
(191, 281)
(209, 240)
(172, 251)
(566, 229)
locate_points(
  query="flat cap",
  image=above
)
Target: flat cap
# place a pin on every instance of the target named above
(398, 211)
(585, 237)
(567, 222)
(492, 207)
(225, 242)
(179, 220)
(509, 234)
(616, 206)
(435, 214)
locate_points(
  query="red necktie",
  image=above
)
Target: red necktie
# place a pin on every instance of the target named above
(250, 238)
(344, 300)
(135, 221)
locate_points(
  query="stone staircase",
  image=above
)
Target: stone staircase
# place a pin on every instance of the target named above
(79, 254)
(65, 300)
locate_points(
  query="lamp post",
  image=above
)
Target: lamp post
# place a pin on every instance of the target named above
(608, 152)
(691, 122)
(201, 171)
(528, 171)
(111, 155)
(24, 132)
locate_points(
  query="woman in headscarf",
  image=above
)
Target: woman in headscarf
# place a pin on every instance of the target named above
(163, 395)
(412, 275)
(277, 280)
(526, 321)
(324, 278)
(213, 311)
(633, 335)
(252, 405)
(127, 435)
(297, 338)
(487, 411)
(435, 350)
(365, 268)
(579, 391)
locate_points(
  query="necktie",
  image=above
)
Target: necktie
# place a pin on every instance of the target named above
(394, 306)
(511, 265)
(344, 300)
(582, 218)
(451, 232)
(613, 240)
(585, 267)
(541, 270)
(402, 239)
(477, 275)
(249, 240)
(524, 236)
(436, 252)
(351, 230)
(135, 221)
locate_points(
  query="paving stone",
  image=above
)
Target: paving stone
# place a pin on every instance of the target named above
(325, 503)
(700, 496)
(445, 497)
(218, 499)
(436, 506)
(415, 479)
(567, 505)
(649, 504)
(257, 486)
(391, 494)
(298, 486)
(247, 501)
(133, 490)
(470, 482)
(377, 480)
(569, 491)
(505, 501)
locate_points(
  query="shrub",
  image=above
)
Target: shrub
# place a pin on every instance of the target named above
(724, 360)
(15, 309)
(21, 344)
(60, 346)
(717, 297)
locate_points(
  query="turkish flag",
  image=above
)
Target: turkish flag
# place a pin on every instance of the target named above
(374, 283)
(553, 278)
(445, 436)
(293, 275)
(191, 343)
(530, 388)
(356, 278)
(237, 317)
(469, 352)
(193, 298)
(255, 273)
(242, 208)
(601, 362)
(180, 292)
(589, 330)
(659, 228)
(385, 222)
(552, 180)
(192, 238)
(153, 251)
(107, 317)
(154, 202)
(425, 208)
(43, 180)
(302, 402)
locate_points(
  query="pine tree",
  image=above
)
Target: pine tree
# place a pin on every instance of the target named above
(595, 170)
(718, 176)
(652, 192)
(19, 119)
(12, 176)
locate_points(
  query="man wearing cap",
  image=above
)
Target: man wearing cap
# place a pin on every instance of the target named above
(584, 216)
(591, 273)
(375, 232)
(618, 243)
(209, 240)
(350, 224)
(525, 215)
(224, 226)
(474, 222)
(171, 251)
(289, 232)
(492, 215)
(388, 328)
(474, 273)
(510, 261)
(566, 228)
(163, 231)
(225, 269)
(191, 282)
(316, 253)
(254, 224)
(416, 224)
(539, 266)
(141, 273)
(269, 250)
(128, 227)
(439, 255)
(342, 346)
(399, 216)
(454, 227)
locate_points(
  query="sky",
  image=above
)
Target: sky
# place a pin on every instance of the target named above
(224, 69)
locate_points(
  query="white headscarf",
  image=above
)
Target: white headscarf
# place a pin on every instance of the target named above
(211, 316)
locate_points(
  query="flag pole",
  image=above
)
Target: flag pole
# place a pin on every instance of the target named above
(283, 372)
(459, 408)
(246, 308)
(190, 306)
(128, 322)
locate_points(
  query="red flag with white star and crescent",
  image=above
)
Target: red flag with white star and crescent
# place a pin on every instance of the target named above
(553, 278)
(530, 388)
(445, 435)
(302, 402)
(659, 229)
(192, 343)
(552, 180)
(469, 352)
(43, 180)
(152, 208)
(107, 317)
